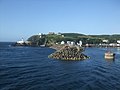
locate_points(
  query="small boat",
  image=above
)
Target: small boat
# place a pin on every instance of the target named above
(109, 55)
(42, 45)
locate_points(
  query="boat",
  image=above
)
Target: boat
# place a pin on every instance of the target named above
(109, 55)
(42, 45)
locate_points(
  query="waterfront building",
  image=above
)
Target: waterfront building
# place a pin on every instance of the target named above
(105, 41)
(118, 41)
(20, 42)
(118, 45)
(113, 44)
(72, 43)
(80, 43)
(62, 42)
(68, 42)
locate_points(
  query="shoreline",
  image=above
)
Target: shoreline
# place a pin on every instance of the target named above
(59, 46)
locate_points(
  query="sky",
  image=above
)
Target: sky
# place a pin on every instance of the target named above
(24, 18)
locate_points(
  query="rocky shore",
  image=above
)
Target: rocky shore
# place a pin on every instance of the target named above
(69, 53)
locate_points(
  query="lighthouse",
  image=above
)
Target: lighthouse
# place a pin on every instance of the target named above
(21, 42)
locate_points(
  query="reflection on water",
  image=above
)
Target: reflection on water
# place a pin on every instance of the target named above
(110, 60)
(118, 50)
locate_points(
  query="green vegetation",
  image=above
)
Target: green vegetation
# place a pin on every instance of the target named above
(36, 40)
(73, 35)
(111, 38)
(51, 39)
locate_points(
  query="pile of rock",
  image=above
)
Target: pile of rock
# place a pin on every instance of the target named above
(69, 53)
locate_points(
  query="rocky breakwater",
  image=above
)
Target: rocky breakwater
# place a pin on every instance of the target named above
(69, 53)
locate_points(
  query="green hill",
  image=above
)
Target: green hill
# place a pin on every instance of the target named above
(72, 34)
(51, 39)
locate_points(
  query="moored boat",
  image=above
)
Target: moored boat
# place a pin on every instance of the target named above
(109, 55)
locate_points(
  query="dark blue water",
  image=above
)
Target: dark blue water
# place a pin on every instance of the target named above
(29, 68)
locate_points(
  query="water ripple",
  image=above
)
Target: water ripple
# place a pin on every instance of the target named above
(29, 68)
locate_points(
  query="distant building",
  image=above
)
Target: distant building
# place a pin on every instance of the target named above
(80, 43)
(72, 43)
(40, 34)
(20, 42)
(23, 43)
(113, 44)
(62, 42)
(118, 41)
(118, 45)
(62, 35)
(68, 42)
(105, 41)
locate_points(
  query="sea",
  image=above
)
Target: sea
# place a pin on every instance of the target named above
(29, 68)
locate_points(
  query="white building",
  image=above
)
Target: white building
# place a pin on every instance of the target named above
(62, 42)
(72, 43)
(20, 42)
(62, 35)
(118, 45)
(40, 34)
(68, 42)
(113, 44)
(118, 41)
(80, 43)
(105, 41)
